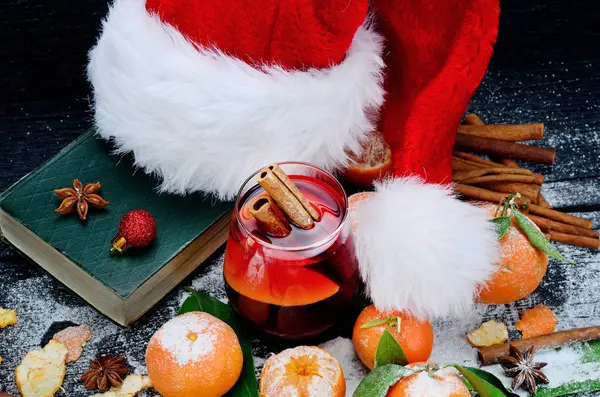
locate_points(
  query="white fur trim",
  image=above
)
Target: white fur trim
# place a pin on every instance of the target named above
(422, 250)
(202, 120)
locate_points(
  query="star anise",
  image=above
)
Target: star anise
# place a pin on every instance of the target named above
(78, 198)
(521, 367)
(104, 373)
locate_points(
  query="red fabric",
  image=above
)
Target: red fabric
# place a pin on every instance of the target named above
(438, 51)
(294, 34)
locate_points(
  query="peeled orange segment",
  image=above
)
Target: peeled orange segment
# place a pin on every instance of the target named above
(303, 371)
(280, 285)
(538, 320)
(374, 162)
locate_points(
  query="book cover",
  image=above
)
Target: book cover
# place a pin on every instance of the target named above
(180, 220)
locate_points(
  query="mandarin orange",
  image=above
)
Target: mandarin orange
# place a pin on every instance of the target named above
(415, 336)
(521, 269)
(354, 202)
(374, 162)
(305, 371)
(445, 382)
(194, 354)
(538, 320)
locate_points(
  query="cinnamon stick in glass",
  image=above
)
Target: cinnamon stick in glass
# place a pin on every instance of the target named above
(285, 199)
(490, 355)
(269, 217)
(502, 148)
(295, 191)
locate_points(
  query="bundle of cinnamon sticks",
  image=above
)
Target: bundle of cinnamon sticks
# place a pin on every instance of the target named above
(485, 180)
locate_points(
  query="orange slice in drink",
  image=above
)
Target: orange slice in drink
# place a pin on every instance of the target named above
(374, 162)
(302, 371)
(279, 285)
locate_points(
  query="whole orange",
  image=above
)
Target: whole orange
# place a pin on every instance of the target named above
(521, 269)
(305, 371)
(445, 382)
(194, 354)
(415, 336)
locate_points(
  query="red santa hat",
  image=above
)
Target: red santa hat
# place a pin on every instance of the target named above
(204, 92)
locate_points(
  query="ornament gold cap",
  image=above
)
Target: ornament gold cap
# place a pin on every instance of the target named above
(118, 245)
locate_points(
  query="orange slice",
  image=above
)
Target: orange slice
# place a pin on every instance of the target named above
(538, 320)
(279, 285)
(374, 162)
(305, 371)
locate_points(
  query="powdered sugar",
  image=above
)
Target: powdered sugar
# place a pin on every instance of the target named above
(188, 337)
(443, 383)
(354, 370)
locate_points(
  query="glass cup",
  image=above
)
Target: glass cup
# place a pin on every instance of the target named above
(298, 286)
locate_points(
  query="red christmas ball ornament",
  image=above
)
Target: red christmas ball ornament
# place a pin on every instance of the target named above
(137, 229)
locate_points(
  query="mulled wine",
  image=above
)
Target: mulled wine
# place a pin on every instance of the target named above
(299, 285)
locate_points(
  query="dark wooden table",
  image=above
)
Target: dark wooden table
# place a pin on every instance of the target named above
(546, 68)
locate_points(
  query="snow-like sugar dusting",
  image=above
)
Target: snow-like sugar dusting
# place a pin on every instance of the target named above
(188, 337)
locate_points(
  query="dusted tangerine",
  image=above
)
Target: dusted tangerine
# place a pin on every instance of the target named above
(194, 354)
(415, 336)
(521, 269)
(445, 382)
(354, 202)
(305, 371)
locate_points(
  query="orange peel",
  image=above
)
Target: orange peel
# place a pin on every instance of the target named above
(538, 320)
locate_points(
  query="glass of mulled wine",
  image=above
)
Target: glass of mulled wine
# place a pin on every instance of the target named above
(300, 285)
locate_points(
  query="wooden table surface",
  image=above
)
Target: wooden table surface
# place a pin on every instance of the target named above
(546, 68)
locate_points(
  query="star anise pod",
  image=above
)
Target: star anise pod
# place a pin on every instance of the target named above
(521, 367)
(79, 198)
(104, 373)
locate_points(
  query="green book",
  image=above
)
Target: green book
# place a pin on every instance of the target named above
(189, 229)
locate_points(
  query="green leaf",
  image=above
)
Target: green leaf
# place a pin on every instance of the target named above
(389, 351)
(491, 379)
(484, 383)
(536, 237)
(379, 381)
(375, 323)
(247, 385)
(569, 388)
(502, 223)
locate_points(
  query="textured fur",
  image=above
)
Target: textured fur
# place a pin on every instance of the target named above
(203, 120)
(422, 250)
(437, 54)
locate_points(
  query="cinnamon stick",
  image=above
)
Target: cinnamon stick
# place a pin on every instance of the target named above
(505, 132)
(527, 190)
(269, 218)
(295, 191)
(560, 216)
(285, 199)
(498, 147)
(541, 200)
(473, 119)
(476, 159)
(572, 239)
(505, 177)
(547, 225)
(478, 193)
(462, 175)
(490, 355)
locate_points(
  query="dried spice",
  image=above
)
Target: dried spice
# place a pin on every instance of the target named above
(521, 367)
(104, 373)
(79, 199)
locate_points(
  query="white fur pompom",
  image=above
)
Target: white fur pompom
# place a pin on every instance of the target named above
(422, 250)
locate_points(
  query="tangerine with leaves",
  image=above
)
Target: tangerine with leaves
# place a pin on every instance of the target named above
(305, 371)
(415, 336)
(444, 382)
(194, 354)
(520, 270)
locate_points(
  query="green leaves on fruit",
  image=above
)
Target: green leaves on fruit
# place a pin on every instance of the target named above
(379, 381)
(389, 351)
